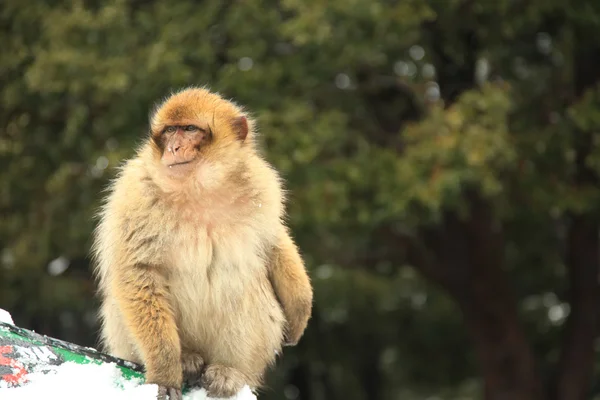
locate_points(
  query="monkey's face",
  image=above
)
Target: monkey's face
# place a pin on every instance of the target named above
(196, 128)
(181, 143)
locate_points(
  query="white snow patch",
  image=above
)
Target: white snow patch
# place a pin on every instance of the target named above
(6, 317)
(200, 394)
(72, 381)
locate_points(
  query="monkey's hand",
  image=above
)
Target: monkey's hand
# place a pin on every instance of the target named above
(169, 393)
(294, 330)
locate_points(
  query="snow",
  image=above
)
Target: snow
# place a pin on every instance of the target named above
(5, 317)
(72, 381)
(200, 394)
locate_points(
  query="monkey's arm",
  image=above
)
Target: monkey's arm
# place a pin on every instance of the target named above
(142, 296)
(292, 287)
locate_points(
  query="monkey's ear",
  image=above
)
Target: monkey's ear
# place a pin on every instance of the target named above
(240, 127)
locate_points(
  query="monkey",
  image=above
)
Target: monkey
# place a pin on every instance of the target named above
(198, 275)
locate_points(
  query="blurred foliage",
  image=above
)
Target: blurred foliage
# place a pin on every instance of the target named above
(378, 114)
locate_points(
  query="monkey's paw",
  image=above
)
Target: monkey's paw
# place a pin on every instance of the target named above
(222, 381)
(192, 364)
(173, 394)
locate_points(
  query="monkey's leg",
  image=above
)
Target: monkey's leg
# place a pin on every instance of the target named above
(292, 287)
(141, 293)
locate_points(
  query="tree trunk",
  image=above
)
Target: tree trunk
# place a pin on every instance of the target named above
(577, 357)
(370, 372)
(469, 266)
(505, 357)
(576, 365)
(490, 311)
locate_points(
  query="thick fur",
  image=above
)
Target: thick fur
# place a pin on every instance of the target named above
(200, 274)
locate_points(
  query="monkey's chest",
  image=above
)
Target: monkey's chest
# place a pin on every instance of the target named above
(221, 286)
(216, 270)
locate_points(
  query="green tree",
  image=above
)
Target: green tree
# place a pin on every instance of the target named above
(442, 159)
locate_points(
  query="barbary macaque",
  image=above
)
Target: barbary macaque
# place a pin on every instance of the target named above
(199, 278)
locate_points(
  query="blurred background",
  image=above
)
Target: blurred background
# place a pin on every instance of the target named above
(442, 158)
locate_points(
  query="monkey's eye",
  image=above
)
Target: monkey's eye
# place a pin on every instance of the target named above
(170, 129)
(191, 128)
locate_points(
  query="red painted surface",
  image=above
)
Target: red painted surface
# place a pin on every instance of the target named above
(19, 371)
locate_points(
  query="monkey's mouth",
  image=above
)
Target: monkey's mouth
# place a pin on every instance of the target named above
(180, 163)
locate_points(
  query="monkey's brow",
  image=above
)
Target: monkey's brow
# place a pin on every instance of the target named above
(184, 121)
(177, 125)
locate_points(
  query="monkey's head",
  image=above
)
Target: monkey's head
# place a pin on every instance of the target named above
(196, 128)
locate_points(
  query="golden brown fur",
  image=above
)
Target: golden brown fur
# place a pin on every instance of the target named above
(196, 270)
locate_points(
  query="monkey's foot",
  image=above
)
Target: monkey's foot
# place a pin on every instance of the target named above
(222, 381)
(168, 393)
(192, 364)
